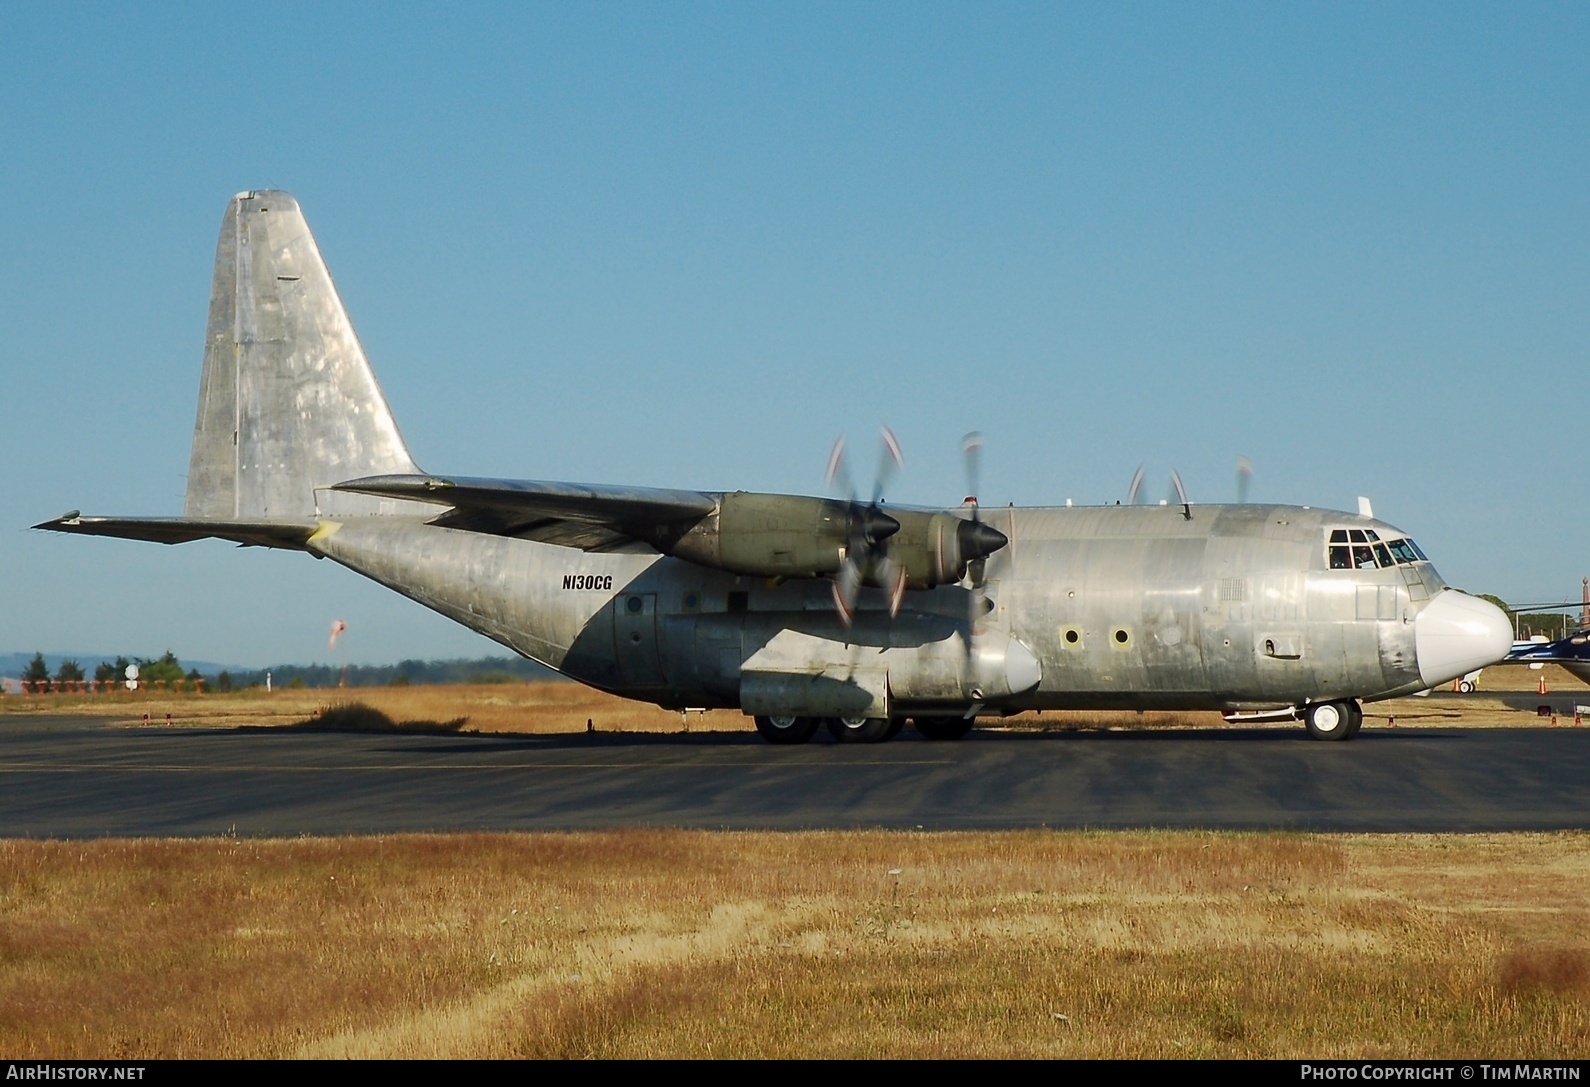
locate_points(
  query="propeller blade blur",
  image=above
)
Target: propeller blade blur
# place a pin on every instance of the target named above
(972, 453)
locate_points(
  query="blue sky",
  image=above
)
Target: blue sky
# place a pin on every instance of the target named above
(687, 245)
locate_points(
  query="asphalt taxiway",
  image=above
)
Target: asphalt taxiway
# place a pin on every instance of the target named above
(74, 777)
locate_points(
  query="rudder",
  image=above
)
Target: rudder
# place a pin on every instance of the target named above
(288, 404)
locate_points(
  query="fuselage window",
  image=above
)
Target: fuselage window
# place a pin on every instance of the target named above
(1363, 557)
(1341, 557)
(1382, 554)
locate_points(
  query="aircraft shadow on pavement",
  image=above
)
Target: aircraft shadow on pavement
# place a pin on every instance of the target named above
(493, 742)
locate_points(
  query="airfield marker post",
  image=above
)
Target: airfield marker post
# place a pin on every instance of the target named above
(1541, 686)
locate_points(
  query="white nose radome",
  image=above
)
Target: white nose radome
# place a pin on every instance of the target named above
(1457, 633)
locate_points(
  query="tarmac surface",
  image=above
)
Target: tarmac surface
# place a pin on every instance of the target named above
(75, 777)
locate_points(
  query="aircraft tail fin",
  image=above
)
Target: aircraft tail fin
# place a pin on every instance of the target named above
(288, 404)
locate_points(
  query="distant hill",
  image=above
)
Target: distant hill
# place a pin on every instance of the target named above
(419, 672)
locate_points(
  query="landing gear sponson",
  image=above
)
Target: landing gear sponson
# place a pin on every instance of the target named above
(1339, 720)
(859, 730)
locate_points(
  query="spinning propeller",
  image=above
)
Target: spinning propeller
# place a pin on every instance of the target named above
(1244, 478)
(1177, 495)
(977, 598)
(867, 528)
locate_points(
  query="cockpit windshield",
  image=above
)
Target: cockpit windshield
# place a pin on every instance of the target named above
(1363, 549)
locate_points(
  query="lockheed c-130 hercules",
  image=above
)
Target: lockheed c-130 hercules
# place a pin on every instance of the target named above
(803, 612)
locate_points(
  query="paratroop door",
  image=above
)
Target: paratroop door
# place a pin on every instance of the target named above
(635, 639)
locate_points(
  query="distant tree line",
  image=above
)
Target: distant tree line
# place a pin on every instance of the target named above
(168, 671)
(1550, 624)
(401, 674)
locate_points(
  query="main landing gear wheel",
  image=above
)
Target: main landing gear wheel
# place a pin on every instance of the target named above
(943, 728)
(786, 730)
(858, 730)
(1333, 720)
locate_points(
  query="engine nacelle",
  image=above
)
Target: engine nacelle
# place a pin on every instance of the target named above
(776, 535)
(934, 548)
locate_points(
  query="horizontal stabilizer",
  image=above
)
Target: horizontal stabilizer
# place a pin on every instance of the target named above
(592, 517)
(175, 530)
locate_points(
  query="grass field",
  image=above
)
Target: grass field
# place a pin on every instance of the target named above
(553, 707)
(663, 943)
(683, 943)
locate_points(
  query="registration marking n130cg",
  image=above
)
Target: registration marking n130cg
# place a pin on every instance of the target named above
(588, 581)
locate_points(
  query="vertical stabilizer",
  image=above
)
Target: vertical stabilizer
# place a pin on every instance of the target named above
(287, 402)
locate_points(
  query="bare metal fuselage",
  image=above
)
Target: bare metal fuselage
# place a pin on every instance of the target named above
(1118, 606)
(701, 599)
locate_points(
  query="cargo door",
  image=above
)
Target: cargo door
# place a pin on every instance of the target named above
(635, 639)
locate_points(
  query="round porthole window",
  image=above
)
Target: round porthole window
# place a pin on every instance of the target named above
(635, 605)
(1073, 636)
(1121, 636)
(691, 601)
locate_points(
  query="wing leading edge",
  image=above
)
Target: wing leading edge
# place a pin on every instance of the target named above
(592, 517)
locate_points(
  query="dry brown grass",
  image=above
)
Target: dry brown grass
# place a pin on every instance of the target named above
(669, 943)
(542, 707)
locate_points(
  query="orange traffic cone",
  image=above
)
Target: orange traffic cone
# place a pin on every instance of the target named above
(1542, 685)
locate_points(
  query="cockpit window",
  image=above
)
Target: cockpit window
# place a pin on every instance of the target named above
(1403, 550)
(1362, 549)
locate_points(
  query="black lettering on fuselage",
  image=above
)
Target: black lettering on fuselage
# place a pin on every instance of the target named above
(598, 582)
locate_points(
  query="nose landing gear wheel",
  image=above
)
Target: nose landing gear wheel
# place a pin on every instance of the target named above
(786, 730)
(1333, 720)
(943, 728)
(858, 730)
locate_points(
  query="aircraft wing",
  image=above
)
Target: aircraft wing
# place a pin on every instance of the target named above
(592, 517)
(1574, 648)
(175, 530)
